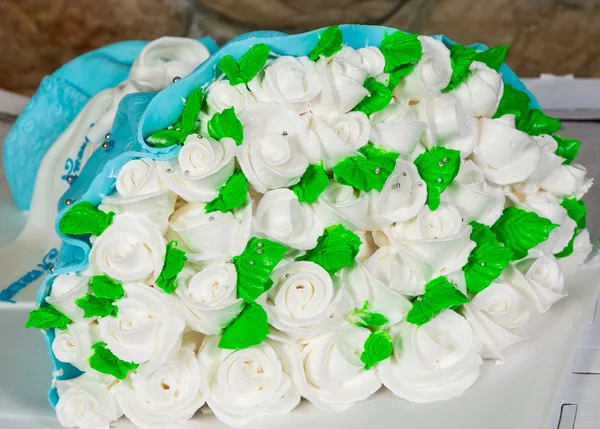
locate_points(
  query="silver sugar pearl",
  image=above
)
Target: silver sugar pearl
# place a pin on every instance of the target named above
(419, 183)
(483, 264)
(377, 170)
(287, 276)
(105, 145)
(440, 180)
(441, 164)
(259, 252)
(170, 127)
(397, 185)
(68, 201)
(51, 269)
(199, 136)
(445, 159)
(107, 136)
(70, 178)
(285, 133)
(419, 298)
(176, 78)
(168, 170)
(404, 173)
(251, 262)
(186, 172)
(210, 219)
(260, 244)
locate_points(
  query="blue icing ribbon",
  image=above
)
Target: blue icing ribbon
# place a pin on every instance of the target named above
(140, 115)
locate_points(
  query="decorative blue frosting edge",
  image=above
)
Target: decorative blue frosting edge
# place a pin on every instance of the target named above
(139, 115)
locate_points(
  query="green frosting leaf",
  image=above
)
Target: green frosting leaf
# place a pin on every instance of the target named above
(226, 124)
(567, 148)
(576, 210)
(439, 295)
(254, 267)
(84, 218)
(378, 347)
(191, 111)
(248, 329)
(330, 42)
(231, 196)
(366, 319)
(249, 66)
(312, 184)
(461, 59)
(438, 168)
(568, 248)
(379, 97)
(47, 317)
(521, 230)
(106, 287)
(174, 259)
(104, 361)
(93, 306)
(366, 172)
(166, 138)
(400, 49)
(493, 57)
(536, 123)
(336, 249)
(397, 75)
(513, 102)
(487, 261)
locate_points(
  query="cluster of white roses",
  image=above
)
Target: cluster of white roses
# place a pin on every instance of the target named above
(294, 113)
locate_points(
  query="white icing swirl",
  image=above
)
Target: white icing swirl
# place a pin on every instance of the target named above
(568, 181)
(497, 315)
(474, 197)
(582, 247)
(208, 298)
(86, 402)
(432, 362)
(74, 345)
(281, 217)
(397, 127)
(482, 90)
(373, 61)
(549, 161)
(169, 395)
(221, 95)
(342, 204)
(288, 80)
(304, 301)
(393, 268)
(164, 59)
(147, 329)
(131, 249)
(431, 74)
(201, 168)
(212, 236)
(505, 154)
(334, 375)
(65, 290)
(244, 385)
(276, 148)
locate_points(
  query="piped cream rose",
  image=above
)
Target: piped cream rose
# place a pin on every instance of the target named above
(393, 268)
(582, 247)
(74, 345)
(482, 90)
(221, 95)
(397, 127)
(244, 385)
(65, 290)
(342, 204)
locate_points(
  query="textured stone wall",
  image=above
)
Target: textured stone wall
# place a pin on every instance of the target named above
(547, 36)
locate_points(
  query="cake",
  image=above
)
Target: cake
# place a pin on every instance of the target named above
(314, 216)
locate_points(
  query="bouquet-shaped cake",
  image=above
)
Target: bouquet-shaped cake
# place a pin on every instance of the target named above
(312, 216)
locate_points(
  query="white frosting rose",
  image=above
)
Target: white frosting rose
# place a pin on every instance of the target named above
(201, 168)
(212, 236)
(568, 181)
(169, 395)
(396, 127)
(243, 385)
(304, 301)
(147, 329)
(403, 195)
(367, 246)
(372, 60)
(340, 136)
(334, 375)
(292, 81)
(131, 249)
(474, 197)
(449, 124)
(140, 190)
(282, 218)
(540, 281)
(362, 286)
(582, 247)
(342, 77)
(86, 402)
(439, 241)
(165, 59)
(432, 362)
(342, 204)
(431, 74)
(74, 345)
(549, 161)
(208, 298)
(65, 290)
(505, 154)
(393, 268)
(482, 90)
(497, 315)
(221, 95)
(276, 148)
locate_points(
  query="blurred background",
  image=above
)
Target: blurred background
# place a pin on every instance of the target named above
(547, 36)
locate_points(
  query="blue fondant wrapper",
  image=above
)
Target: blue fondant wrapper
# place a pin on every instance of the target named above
(57, 102)
(140, 115)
